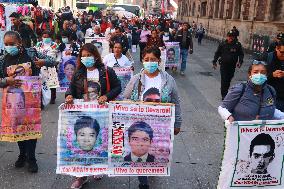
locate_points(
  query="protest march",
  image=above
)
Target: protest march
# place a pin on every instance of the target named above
(111, 95)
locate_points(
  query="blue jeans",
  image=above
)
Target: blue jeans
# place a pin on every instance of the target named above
(184, 55)
(280, 104)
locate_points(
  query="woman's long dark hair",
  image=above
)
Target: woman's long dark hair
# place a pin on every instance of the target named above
(94, 51)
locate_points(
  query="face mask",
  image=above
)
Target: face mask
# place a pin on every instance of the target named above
(166, 34)
(258, 79)
(150, 67)
(65, 40)
(46, 40)
(12, 50)
(88, 61)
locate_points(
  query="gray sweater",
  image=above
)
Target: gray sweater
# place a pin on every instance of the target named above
(169, 92)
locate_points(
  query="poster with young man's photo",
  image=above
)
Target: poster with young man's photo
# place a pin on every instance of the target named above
(101, 43)
(66, 69)
(172, 54)
(253, 156)
(82, 141)
(124, 74)
(21, 110)
(140, 139)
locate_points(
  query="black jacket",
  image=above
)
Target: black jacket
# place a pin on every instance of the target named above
(150, 158)
(77, 87)
(179, 37)
(229, 53)
(278, 83)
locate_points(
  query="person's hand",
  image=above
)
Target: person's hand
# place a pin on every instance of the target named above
(69, 99)
(278, 74)
(39, 63)
(239, 65)
(190, 51)
(231, 119)
(102, 99)
(176, 131)
(214, 66)
(11, 81)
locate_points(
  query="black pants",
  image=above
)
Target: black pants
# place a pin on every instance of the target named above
(227, 74)
(143, 180)
(27, 148)
(142, 47)
(53, 93)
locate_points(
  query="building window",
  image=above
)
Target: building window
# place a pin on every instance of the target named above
(260, 10)
(217, 2)
(203, 8)
(193, 9)
(277, 10)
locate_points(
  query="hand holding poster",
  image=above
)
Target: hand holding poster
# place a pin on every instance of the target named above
(82, 141)
(21, 111)
(124, 75)
(140, 139)
(253, 155)
(172, 54)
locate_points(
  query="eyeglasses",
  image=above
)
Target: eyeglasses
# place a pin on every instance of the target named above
(257, 62)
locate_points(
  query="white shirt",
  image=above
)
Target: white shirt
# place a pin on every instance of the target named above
(155, 82)
(94, 86)
(110, 61)
(93, 75)
(134, 158)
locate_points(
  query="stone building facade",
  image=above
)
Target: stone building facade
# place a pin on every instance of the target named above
(251, 17)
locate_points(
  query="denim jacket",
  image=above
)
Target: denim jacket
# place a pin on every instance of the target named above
(169, 92)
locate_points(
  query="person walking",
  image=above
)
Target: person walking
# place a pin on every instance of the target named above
(230, 55)
(184, 37)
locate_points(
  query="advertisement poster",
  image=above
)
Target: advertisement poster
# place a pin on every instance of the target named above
(140, 139)
(66, 70)
(253, 155)
(124, 75)
(172, 54)
(21, 110)
(101, 43)
(82, 142)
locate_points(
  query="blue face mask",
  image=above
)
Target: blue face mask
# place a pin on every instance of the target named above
(258, 79)
(65, 40)
(88, 61)
(46, 40)
(150, 67)
(12, 50)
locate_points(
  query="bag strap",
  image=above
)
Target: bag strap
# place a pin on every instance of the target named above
(107, 81)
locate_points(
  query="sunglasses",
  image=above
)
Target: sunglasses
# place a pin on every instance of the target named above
(257, 62)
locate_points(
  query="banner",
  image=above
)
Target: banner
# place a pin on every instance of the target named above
(253, 155)
(124, 75)
(50, 76)
(66, 70)
(101, 43)
(140, 139)
(172, 54)
(82, 142)
(21, 111)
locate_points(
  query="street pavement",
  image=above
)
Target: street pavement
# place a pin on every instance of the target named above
(197, 149)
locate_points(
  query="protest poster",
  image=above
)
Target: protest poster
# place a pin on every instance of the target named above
(66, 70)
(82, 142)
(163, 60)
(24, 69)
(172, 54)
(50, 76)
(21, 110)
(140, 139)
(124, 74)
(253, 155)
(101, 43)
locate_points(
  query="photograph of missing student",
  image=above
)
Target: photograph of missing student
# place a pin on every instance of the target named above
(172, 54)
(21, 111)
(255, 152)
(66, 71)
(140, 139)
(82, 139)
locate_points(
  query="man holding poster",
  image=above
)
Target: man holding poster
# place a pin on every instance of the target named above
(22, 96)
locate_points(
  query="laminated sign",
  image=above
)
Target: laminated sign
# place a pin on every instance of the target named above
(253, 156)
(140, 139)
(21, 110)
(82, 141)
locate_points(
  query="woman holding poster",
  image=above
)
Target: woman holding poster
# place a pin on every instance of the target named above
(254, 100)
(19, 61)
(154, 85)
(92, 82)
